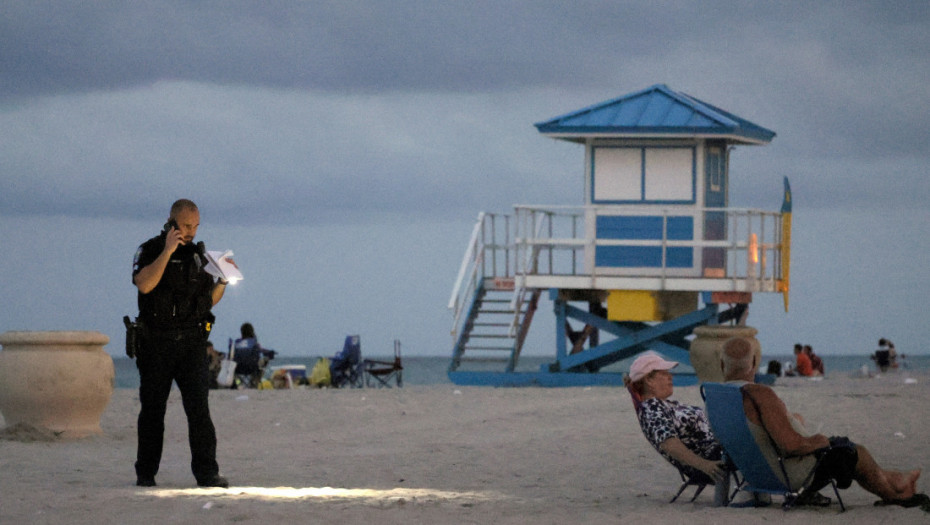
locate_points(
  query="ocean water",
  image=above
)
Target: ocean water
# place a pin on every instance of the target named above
(432, 370)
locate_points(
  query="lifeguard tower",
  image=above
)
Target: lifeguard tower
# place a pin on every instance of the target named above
(654, 252)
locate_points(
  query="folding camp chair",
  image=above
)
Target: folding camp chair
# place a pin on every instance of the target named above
(345, 368)
(381, 373)
(728, 420)
(697, 479)
(251, 361)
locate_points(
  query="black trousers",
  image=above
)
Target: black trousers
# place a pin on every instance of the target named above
(180, 357)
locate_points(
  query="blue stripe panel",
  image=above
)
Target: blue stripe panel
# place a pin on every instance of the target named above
(680, 228)
(643, 257)
(645, 227)
(679, 257)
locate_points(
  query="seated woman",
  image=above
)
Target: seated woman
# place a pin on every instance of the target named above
(249, 341)
(681, 433)
(250, 357)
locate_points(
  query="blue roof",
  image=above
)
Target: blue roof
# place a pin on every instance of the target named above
(655, 111)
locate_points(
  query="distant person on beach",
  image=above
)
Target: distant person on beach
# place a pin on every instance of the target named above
(770, 422)
(803, 364)
(816, 361)
(258, 357)
(774, 368)
(882, 356)
(249, 340)
(175, 296)
(681, 433)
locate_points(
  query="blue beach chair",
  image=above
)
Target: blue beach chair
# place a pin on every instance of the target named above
(251, 360)
(728, 420)
(346, 367)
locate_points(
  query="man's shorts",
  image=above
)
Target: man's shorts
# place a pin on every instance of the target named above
(838, 463)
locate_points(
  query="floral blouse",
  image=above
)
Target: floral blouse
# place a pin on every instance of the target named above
(661, 420)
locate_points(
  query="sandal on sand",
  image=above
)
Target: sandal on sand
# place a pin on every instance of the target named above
(814, 499)
(917, 500)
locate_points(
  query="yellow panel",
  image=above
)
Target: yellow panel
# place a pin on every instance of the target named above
(645, 305)
(632, 305)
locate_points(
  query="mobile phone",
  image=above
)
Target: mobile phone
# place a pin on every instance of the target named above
(170, 225)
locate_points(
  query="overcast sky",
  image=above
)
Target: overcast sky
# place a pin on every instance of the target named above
(344, 149)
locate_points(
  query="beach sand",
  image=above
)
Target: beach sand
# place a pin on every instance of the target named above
(437, 454)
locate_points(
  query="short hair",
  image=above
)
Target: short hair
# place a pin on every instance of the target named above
(737, 355)
(181, 204)
(247, 330)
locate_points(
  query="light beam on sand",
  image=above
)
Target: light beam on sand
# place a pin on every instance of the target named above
(330, 493)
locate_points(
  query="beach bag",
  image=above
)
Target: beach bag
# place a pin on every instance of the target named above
(227, 375)
(281, 379)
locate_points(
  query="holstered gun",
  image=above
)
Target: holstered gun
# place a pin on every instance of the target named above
(133, 336)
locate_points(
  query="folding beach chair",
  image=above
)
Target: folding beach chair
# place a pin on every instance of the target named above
(728, 420)
(345, 368)
(381, 373)
(688, 478)
(251, 361)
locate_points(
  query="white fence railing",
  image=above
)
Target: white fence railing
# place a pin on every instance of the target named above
(562, 241)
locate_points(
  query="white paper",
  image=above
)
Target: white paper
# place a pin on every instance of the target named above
(220, 264)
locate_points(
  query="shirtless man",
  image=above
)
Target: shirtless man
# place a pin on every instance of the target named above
(764, 409)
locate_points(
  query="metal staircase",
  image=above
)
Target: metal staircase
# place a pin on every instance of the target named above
(492, 315)
(494, 329)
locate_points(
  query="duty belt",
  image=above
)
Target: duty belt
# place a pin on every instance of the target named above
(178, 333)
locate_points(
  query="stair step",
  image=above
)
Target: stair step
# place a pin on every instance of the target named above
(511, 312)
(484, 360)
(491, 336)
(491, 324)
(493, 348)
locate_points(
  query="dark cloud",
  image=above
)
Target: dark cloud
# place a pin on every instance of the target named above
(343, 46)
(305, 112)
(361, 46)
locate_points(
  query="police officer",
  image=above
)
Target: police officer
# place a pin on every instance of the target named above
(175, 297)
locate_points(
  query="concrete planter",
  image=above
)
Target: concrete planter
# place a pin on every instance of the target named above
(61, 380)
(708, 345)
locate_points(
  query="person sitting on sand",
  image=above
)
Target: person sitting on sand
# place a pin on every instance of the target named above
(681, 433)
(803, 362)
(843, 460)
(816, 361)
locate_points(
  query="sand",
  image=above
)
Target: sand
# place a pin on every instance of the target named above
(439, 454)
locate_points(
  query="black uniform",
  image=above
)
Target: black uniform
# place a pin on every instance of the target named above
(174, 317)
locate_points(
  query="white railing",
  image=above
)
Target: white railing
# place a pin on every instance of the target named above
(490, 253)
(561, 241)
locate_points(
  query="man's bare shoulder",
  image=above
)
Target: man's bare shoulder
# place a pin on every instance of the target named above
(762, 394)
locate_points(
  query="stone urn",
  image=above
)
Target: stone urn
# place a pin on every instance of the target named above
(707, 347)
(60, 381)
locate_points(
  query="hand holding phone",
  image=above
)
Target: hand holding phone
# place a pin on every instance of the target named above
(173, 236)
